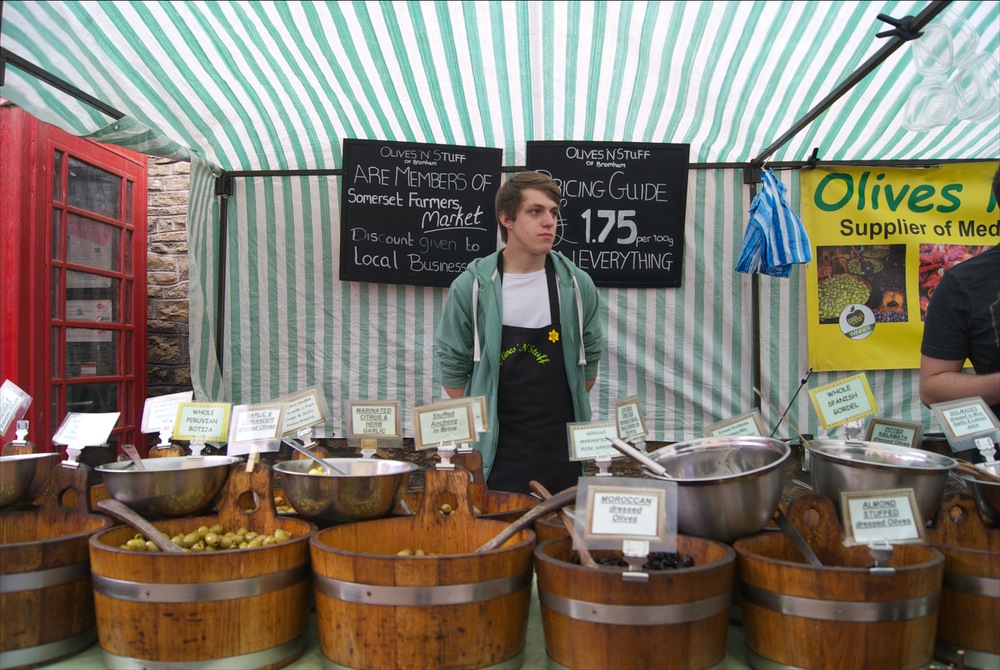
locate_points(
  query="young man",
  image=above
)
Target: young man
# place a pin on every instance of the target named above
(523, 328)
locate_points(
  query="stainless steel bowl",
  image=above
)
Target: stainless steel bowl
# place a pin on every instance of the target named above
(169, 486)
(839, 466)
(18, 471)
(986, 494)
(364, 488)
(727, 487)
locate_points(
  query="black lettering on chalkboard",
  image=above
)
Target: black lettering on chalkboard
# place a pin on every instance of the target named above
(623, 208)
(415, 213)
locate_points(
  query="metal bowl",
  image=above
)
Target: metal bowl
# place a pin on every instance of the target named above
(986, 493)
(839, 466)
(727, 487)
(18, 471)
(169, 486)
(364, 488)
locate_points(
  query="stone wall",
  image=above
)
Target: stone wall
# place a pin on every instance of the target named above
(169, 365)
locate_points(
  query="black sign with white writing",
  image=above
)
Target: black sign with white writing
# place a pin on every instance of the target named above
(623, 207)
(415, 213)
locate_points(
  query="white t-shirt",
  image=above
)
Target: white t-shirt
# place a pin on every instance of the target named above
(526, 300)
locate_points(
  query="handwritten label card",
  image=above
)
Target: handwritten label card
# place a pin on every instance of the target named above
(14, 405)
(159, 414)
(80, 430)
(255, 426)
(303, 409)
(631, 423)
(610, 511)
(898, 433)
(373, 418)
(890, 515)
(591, 440)
(747, 424)
(966, 420)
(444, 423)
(843, 400)
(202, 421)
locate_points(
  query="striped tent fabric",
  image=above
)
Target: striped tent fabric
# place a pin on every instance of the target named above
(278, 86)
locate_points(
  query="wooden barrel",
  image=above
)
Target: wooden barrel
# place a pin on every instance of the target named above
(970, 596)
(236, 608)
(458, 609)
(841, 614)
(677, 619)
(46, 599)
(551, 526)
(496, 505)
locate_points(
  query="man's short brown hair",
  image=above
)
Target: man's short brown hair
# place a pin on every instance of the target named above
(510, 196)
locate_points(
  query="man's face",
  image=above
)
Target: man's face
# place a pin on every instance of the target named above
(533, 229)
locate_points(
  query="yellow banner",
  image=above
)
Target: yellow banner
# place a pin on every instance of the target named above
(881, 238)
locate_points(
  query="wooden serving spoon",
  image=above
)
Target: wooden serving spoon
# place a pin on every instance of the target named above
(557, 501)
(126, 514)
(585, 558)
(976, 473)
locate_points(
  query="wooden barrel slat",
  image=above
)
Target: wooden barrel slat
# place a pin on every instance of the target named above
(816, 627)
(181, 624)
(478, 633)
(696, 640)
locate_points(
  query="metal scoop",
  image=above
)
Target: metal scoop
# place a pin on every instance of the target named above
(326, 467)
(634, 453)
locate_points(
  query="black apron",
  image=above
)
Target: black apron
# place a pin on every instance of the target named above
(534, 405)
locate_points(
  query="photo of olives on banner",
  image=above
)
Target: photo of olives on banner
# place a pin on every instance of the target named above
(872, 275)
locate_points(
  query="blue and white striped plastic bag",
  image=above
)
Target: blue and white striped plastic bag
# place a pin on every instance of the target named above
(775, 238)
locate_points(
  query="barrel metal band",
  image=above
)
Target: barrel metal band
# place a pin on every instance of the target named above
(199, 592)
(43, 653)
(635, 615)
(841, 610)
(42, 579)
(421, 596)
(977, 586)
(259, 659)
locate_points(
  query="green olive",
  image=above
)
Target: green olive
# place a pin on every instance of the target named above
(136, 544)
(190, 540)
(151, 546)
(212, 539)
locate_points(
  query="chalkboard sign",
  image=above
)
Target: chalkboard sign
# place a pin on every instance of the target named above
(622, 210)
(415, 213)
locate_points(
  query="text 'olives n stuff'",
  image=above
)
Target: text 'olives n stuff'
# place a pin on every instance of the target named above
(212, 538)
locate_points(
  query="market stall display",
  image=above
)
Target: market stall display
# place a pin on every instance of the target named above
(19, 471)
(45, 585)
(255, 600)
(421, 578)
(678, 618)
(851, 609)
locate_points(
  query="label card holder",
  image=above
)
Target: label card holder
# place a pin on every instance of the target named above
(373, 421)
(630, 420)
(591, 440)
(256, 428)
(445, 423)
(898, 433)
(14, 403)
(967, 423)
(889, 515)
(303, 410)
(79, 430)
(744, 425)
(201, 422)
(159, 414)
(844, 400)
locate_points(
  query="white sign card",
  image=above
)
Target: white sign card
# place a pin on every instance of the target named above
(202, 421)
(448, 422)
(610, 511)
(631, 422)
(965, 420)
(591, 440)
(844, 400)
(255, 428)
(14, 405)
(889, 515)
(747, 424)
(373, 418)
(159, 413)
(304, 409)
(898, 433)
(80, 430)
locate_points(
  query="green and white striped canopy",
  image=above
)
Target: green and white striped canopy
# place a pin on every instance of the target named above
(276, 86)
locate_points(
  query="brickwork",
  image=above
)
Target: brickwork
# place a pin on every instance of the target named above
(169, 363)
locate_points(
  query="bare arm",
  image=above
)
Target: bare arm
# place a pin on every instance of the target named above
(942, 380)
(454, 392)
